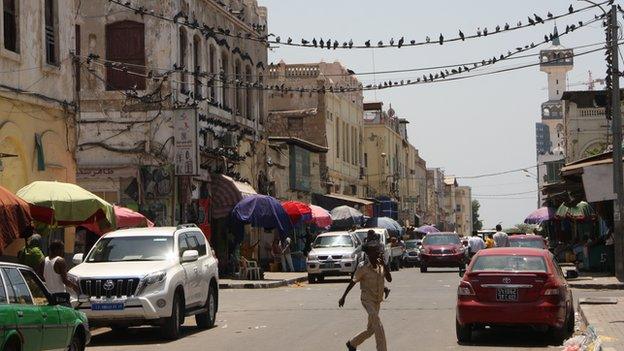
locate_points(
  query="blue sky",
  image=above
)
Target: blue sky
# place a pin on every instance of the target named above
(473, 126)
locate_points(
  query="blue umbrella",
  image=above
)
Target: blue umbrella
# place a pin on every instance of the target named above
(345, 217)
(260, 211)
(393, 227)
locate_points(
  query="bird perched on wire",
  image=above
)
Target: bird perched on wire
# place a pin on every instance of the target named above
(531, 21)
(506, 26)
(304, 42)
(570, 9)
(497, 28)
(321, 43)
(401, 41)
(485, 32)
(478, 31)
(441, 40)
(380, 43)
(461, 35)
(538, 19)
(289, 41)
(392, 42)
(350, 43)
(314, 42)
(367, 44)
(427, 39)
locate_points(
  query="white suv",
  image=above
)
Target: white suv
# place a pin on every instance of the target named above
(153, 276)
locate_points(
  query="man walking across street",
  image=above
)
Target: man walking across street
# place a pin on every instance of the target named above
(55, 270)
(371, 276)
(475, 244)
(500, 238)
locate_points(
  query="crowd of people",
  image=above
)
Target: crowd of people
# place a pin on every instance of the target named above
(498, 239)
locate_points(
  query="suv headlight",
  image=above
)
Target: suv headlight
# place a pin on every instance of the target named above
(312, 257)
(155, 278)
(352, 255)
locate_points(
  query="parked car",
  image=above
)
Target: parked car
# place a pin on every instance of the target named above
(32, 318)
(411, 257)
(333, 254)
(442, 250)
(514, 287)
(528, 240)
(384, 237)
(149, 276)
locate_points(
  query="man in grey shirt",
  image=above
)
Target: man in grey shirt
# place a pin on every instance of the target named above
(500, 238)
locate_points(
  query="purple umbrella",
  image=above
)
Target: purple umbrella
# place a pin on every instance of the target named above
(540, 215)
(260, 211)
(426, 229)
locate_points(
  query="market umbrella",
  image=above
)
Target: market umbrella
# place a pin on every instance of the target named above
(581, 212)
(393, 227)
(297, 211)
(125, 218)
(426, 229)
(14, 217)
(540, 215)
(345, 217)
(64, 204)
(321, 217)
(260, 211)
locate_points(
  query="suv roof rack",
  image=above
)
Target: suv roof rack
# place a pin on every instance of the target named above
(186, 225)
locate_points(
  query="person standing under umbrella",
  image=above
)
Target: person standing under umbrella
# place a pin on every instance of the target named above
(55, 270)
(31, 255)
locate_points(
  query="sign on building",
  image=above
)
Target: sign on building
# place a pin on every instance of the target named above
(186, 148)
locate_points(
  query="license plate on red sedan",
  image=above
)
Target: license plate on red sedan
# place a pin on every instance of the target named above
(507, 294)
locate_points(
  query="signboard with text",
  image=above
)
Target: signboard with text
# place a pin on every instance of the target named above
(186, 148)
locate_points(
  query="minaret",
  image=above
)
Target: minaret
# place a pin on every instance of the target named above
(556, 61)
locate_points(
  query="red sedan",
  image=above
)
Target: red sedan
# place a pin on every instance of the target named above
(514, 287)
(528, 240)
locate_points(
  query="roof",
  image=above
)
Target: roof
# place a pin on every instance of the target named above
(334, 233)
(154, 231)
(524, 251)
(450, 180)
(601, 159)
(301, 143)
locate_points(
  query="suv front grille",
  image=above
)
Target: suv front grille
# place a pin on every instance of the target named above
(109, 287)
(334, 257)
(439, 252)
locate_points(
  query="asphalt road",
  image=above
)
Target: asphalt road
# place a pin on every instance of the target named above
(419, 315)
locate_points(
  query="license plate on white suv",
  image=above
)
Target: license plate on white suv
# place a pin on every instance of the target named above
(107, 306)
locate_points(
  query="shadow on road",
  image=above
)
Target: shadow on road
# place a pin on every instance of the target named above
(138, 336)
(510, 337)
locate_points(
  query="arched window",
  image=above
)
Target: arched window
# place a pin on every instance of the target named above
(125, 43)
(224, 77)
(249, 94)
(212, 67)
(183, 42)
(238, 98)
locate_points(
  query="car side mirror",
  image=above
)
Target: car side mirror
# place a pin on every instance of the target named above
(60, 299)
(572, 274)
(78, 258)
(190, 256)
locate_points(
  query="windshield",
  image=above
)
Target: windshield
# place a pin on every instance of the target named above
(411, 244)
(441, 239)
(123, 249)
(363, 234)
(510, 264)
(535, 243)
(333, 241)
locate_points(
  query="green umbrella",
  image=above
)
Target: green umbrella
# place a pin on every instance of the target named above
(64, 204)
(582, 211)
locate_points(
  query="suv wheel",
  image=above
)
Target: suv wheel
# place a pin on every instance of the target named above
(77, 344)
(171, 328)
(207, 319)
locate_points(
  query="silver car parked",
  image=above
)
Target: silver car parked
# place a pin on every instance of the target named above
(333, 254)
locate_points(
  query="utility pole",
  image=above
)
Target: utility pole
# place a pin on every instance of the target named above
(618, 185)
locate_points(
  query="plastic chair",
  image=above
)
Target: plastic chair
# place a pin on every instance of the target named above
(250, 269)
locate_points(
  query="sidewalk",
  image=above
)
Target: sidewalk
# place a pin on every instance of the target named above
(606, 318)
(271, 280)
(596, 281)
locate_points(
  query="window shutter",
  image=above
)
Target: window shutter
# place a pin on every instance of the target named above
(125, 42)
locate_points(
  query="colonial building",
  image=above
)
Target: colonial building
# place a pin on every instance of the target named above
(331, 119)
(168, 106)
(435, 197)
(556, 61)
(463, 210)
(393, 168)
(37, 95)
(450, 204)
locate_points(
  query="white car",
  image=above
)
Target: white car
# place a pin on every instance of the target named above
(384, 237)
(332, 254)
(149, 276)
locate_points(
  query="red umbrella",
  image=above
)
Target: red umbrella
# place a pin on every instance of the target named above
(297, 211)
(125, 218)
(14, 217)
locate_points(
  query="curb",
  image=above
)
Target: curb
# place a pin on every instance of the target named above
(267, 285)
(591, 330)
(614, 286)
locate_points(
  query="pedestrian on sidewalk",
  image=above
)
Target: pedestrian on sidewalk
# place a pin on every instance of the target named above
(287, 263)
(55, 270)
(371, 276)
(501, 239)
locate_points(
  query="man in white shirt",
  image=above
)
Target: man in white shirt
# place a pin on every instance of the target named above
(500, 238)
(475, 243)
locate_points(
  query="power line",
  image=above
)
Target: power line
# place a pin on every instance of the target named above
(183, 19)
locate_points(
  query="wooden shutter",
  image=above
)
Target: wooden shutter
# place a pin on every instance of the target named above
(125, 42)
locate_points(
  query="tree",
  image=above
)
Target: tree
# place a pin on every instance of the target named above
(477, 224)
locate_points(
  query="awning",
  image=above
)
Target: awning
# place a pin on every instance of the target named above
(226, 193)
(350, 199)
